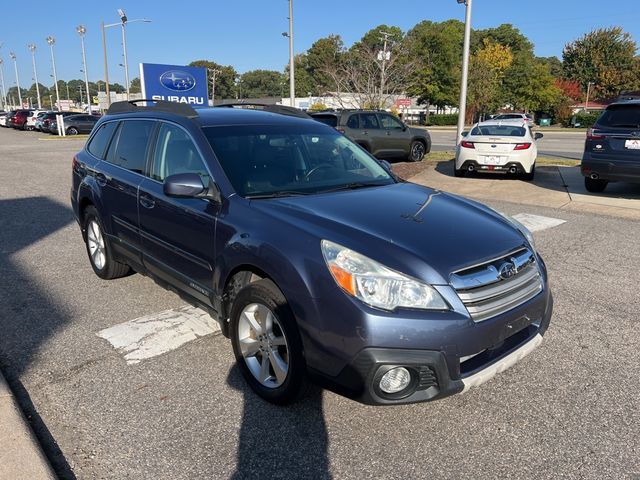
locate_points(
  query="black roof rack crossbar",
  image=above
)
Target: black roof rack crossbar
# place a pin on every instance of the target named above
(181, 109)
(281, 109)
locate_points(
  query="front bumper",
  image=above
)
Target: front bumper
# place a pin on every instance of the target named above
(437, 373)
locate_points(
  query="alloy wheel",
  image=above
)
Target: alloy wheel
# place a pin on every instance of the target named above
(95, 241)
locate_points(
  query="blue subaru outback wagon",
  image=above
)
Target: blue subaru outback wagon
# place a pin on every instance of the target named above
(318, 263)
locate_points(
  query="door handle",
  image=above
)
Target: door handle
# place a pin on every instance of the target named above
(101, 179)
(147, 202)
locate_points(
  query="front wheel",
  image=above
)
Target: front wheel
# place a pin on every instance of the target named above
(417, 151)
(72, 131)
(99, 249)
(266, 343)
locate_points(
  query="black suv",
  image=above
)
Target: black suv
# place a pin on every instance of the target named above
(379, 133)
(612, 148)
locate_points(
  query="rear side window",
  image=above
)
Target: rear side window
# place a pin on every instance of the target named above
(98, 145)
(369, 120)
(499, 131)
(129, 148)
(621, 116)
(330, 120)
(353, 122)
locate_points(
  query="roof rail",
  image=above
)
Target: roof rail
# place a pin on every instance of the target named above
(181, 109)
(281, 109)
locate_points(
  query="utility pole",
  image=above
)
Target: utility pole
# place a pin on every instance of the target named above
(106, 67)
(15, 64)
(384, 56)
(586, 102)
(465, 69)
(32, 49)
(213, 72)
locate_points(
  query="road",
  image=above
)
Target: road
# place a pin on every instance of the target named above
(567, 144)
(570, 409)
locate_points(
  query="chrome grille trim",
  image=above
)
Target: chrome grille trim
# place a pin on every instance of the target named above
(485, 294)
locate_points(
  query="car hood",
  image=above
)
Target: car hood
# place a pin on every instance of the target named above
(414, 229)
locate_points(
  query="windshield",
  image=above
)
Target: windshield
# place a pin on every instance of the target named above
(274, 160)
(499, 131)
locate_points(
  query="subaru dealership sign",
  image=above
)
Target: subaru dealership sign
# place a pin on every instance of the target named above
(174, 83)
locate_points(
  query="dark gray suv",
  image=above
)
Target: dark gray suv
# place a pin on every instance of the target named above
(379, 133)
(314, 258)
(612, 148)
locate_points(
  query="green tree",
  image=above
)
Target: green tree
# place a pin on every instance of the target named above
(486, 74)
(262, 83)
(226, 77)
(505, 34)
(529, 85)
(325, 54)
(606, 57)
(554, 64)
(304, 82)
(134, 87)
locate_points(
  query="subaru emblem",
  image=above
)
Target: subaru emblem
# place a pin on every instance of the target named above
(507, 270)
(177, 80)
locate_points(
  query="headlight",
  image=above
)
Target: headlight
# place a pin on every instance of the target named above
(377, 285)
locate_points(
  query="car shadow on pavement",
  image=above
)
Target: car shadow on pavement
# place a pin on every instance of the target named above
(29, 316)
(280, 442)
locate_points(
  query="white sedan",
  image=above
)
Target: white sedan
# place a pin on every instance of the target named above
(498, 147)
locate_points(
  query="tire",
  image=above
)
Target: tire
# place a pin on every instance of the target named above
(458, 172)
(99, 250)
(72, 131)
(417, 151)
(279, 374)
(528, 177)
(595, 185)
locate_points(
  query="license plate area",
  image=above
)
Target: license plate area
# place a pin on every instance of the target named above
(632, 144)
(492, 159)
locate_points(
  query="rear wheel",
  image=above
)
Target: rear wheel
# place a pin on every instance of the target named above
(417, 151)
(529, 176)
(458, 172)
(72, 131)
(595, 185)
(99, 249)
(266, 343)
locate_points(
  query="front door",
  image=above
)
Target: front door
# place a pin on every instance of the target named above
(398, 137)
(178, 233)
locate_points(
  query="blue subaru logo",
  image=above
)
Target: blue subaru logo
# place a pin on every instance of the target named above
(177, 80)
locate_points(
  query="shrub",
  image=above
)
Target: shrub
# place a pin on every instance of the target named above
(316, 107)
(587, 119)
(442, 120)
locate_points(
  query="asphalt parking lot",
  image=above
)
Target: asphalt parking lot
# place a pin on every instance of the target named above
(571, 409)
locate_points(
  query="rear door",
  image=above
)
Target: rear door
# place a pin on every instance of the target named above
(178, 233)
(369, 132)
(119, 175)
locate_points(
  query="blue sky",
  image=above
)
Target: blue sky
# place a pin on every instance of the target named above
(247, 33)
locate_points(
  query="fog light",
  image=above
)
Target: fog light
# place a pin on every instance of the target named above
(395, 380)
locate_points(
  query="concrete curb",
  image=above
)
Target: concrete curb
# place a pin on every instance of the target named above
(20, 456)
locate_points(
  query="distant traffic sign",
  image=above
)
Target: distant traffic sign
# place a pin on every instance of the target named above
(403, 102)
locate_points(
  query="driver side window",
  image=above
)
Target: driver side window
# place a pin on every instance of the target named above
(390, 122)
(176, 153)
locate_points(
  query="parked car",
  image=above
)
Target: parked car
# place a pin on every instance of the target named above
(379, 133)
(75, 124)
(33, 118)
(50, 117)
(612, 148)
(19, 120)
(314, 259)
(517, 117)
(498, 147)
(3, 119)
(8, 119)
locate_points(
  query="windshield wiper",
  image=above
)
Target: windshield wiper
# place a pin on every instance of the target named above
(280, 194)
(355, 186)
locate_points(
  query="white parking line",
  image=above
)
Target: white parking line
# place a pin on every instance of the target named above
(536, 223)
(155, 334)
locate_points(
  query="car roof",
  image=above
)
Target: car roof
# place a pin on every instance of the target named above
(624, 102)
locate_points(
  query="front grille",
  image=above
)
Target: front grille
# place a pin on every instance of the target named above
(486, 293)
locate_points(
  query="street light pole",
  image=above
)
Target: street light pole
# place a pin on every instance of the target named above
(82, 30)
(15, 65)
(32, 48)
(465, 69)
(51, 41)
(292, 76)
(213, 72)
(4, 92)
(123, 19)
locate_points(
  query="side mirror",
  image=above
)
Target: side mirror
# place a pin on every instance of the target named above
(538, 136)
(386, 165)
(186, 185)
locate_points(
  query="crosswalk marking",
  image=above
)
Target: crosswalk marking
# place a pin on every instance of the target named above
(536, 223)
(158, 333)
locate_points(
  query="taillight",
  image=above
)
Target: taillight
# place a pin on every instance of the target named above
(74, 163)
(465, 144)
(522, 146)
(591, 135)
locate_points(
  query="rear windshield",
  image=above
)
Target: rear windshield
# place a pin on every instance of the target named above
(330, 120)
(499, 131)
(508, 117)
(621, 116)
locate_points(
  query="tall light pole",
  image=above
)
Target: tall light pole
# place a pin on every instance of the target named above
(81, 29)
(213, 72)
(51, 42)
(123, 19)
(292, 74)
(384, 56)
(465, 69)
(15, 65)
(32, 49)
(4, 92)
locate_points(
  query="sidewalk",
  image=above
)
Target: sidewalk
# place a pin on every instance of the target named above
(20, 455)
